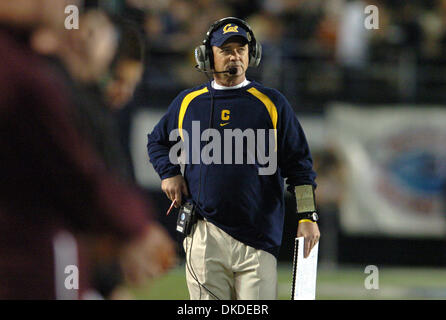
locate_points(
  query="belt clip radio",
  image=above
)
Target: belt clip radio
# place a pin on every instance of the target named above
(186, 218)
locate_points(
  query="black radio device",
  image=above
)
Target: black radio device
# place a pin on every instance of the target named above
(186, 218)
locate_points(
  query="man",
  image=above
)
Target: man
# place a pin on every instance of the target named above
(232, 250)
(85, 56)
(54, 186)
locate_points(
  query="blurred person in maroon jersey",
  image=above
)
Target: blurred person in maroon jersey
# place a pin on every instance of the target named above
(84, 57)
(92, 59)
(54, 184)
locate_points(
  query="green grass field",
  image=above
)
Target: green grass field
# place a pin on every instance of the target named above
(345, 282)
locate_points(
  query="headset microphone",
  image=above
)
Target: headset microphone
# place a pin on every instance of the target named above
(231, 71)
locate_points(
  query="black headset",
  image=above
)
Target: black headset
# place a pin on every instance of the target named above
(203, 53)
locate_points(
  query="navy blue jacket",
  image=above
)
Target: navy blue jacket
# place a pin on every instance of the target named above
(245, 204)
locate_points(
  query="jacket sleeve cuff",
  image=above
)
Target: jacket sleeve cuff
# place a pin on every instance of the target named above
(171, 172)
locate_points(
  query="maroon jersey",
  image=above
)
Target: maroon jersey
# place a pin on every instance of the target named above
(51, 179)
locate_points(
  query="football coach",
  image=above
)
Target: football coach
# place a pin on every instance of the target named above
(233, 245)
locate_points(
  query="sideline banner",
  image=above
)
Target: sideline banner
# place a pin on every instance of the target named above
(395, 161)
(143, 122)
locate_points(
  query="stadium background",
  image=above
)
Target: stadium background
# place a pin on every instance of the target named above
(347, 84)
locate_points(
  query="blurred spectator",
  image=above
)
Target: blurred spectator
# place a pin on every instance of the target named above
(126, 71)
(352, 49)
(100, 93)
(433, 23)
(54, 184)
(125, 78)
(300, 17)
(87, 54)
(442, 12)
(329, 195)
(412, 32)
(353, 37)
(269, 31)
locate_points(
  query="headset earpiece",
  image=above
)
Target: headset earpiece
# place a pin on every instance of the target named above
(202, 58)
(255, 55)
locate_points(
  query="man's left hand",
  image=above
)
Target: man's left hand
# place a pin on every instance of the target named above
(310, 231)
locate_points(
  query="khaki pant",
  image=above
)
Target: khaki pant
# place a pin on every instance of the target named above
(226, 268)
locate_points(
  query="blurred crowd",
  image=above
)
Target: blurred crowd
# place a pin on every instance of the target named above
(312, 48)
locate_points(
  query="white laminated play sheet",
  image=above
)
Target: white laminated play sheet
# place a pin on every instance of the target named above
(304, 272)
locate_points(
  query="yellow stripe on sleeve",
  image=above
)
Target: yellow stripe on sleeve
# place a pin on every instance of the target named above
(184, 104)
(270, 107)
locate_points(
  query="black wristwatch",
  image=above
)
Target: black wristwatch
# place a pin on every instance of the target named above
(313, 216)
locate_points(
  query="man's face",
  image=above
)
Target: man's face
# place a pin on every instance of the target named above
(232, 53)
(120, 90)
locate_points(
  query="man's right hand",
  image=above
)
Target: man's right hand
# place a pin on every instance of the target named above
(174, 188)
(150, 255)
